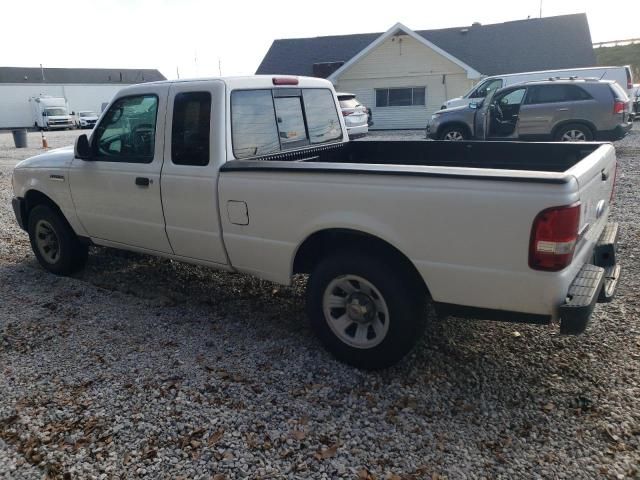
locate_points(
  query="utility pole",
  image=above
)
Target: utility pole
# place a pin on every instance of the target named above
(540, 8)
(219, 67)
(177, 72)
(42, 72)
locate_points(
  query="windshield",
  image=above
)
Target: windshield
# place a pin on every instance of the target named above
(87, 114)
(53, 112)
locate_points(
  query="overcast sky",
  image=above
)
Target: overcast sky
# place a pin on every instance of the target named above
(193, 35)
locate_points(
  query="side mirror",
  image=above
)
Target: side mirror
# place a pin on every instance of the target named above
(82, 149)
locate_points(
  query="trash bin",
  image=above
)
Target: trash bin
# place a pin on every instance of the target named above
(20, 138)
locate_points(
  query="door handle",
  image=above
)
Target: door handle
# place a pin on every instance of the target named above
(562, 110)
(142, 181)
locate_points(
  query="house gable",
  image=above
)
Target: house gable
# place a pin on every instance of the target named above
(400, 51)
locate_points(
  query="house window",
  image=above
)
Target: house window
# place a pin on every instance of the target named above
(400, 97)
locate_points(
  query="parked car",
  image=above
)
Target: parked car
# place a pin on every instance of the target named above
(356, 116)
(622, 75)
(559, 110)
(199, 172)
(86, 119)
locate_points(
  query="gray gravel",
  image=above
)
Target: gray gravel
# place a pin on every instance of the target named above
(146, 368)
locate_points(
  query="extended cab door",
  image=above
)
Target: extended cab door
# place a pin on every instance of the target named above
(194, 150)
(117, 192)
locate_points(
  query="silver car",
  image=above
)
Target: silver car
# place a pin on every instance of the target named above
(356, 115)
(560, 110)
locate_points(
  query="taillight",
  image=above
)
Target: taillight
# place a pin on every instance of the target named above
(553, 238)
(345, 114)
(618, 106)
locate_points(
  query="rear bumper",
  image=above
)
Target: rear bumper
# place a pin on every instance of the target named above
(594, 283)
(19, 210)
(617, 133)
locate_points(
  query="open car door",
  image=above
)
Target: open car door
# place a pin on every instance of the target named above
(483, 117)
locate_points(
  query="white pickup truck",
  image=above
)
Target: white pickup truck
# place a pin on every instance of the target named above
(257, 175)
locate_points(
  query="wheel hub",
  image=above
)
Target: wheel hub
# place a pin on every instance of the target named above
(360, 307)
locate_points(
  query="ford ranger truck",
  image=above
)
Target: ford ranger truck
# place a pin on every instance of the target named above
(256, 175)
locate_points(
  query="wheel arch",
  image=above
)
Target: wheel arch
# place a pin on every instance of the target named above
(33, 198)
(454, 123)
(321, 243)
(564, 123)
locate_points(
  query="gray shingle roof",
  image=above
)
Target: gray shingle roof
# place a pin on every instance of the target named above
(518, 46)
(79, 75)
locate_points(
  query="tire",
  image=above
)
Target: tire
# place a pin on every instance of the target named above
(49, 233)
(574, 132)
(454, 133)
(399, 309)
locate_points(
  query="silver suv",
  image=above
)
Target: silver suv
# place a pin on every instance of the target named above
(560, 109)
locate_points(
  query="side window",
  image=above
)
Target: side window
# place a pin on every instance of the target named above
(514, 97)
(128, 130)
(191, 128)
(322, 117)
(556, 93)
(577, 93)
(253, 126)
(290, 120)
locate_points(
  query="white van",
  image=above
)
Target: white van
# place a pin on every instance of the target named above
(622, 75)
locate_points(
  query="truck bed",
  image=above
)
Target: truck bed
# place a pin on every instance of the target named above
(536, 161)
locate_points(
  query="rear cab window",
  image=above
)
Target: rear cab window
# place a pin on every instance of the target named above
(269, 121)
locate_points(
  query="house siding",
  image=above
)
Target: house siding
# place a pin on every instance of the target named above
(401, 61)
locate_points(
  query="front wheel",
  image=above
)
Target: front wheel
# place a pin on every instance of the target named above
(368, 311)
(54, 243)
(454, 134)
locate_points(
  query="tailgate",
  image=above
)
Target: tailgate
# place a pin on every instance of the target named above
(596, 177)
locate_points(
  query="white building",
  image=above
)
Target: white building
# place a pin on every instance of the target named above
(404, 75)
(83, 88)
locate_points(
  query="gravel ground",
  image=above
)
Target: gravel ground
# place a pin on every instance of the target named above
(145, 368)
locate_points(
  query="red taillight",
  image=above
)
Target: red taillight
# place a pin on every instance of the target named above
(618, 106)
(285, 81)
(553, 238)
(344, 114)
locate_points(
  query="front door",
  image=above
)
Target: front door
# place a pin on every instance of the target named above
(193, 154)
(117, 192)
(504, 111)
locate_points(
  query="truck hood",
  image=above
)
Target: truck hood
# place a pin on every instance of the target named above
(58, 158)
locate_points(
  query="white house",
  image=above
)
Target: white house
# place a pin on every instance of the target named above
(84, 88)
(405, 75)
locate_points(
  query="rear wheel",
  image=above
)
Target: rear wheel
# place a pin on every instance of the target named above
(368, 312)
(54, 243)
(454, 133)
(574, 132)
